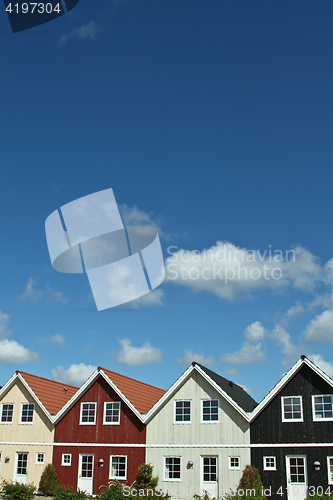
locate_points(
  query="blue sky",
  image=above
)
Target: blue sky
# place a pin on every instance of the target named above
(211, 121)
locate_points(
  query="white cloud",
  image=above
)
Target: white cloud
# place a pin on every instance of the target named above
(326, 366)
(248, 353)
(281, 337)
(153, 298)
(188, 357)
(87, 31)
(251, 350)
(320, 329)
(31, 294)
(138, 356)
(13, 352)
(55, 339)
(294, 311)
(4, 319)
(75, 375)
(231, 272)
(255, 332)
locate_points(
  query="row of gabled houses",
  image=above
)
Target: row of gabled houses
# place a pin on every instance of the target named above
(198, 435)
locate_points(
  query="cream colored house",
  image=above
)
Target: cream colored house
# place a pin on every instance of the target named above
(198, 434)
(27, 406)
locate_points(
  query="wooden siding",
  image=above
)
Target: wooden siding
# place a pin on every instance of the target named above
(69, 430)
(232, 428)
(40, 431)
(130, 430)
(68, 475)
(278, 478)
(268, 426)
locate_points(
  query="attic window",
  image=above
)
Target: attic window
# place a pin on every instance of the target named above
(292, 410)
(88, 413)
(210, 410)
(112, 412)
(27, 413)
(7, 410)
(322, 407)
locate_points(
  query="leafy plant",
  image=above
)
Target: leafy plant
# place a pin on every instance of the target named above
(145, 479)
(250, 486)
(49, 481)
(66, 493)
(17, 491)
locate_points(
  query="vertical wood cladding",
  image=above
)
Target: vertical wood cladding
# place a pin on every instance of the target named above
(69, 430)
(269, 428)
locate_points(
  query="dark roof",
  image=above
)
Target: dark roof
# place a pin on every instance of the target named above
(237, 393)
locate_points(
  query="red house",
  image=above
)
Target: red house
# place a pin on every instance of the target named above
(100, 434)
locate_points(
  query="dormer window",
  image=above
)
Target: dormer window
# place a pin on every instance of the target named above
(292, 410)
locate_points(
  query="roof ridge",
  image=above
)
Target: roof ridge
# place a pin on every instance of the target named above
(130, 378)
(48, 379)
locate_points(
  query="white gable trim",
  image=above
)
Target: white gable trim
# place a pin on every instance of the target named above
(88, 383)
(10, 384)
(122, 396)
(284, 380)
(179, 382)
(166, 396)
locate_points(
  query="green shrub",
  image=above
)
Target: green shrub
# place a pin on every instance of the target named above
(113, 491)
(49, 481)
(145, 479)
(66, 493)
(250, 486)
(17, 491)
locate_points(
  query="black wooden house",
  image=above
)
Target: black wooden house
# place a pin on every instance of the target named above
(292, 434)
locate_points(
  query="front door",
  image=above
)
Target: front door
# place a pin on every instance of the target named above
(86, 473)
(209, 475)
(296, 477)
(21, 467)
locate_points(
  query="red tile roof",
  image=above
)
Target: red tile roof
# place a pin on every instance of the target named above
(142, 396)
(54, 395)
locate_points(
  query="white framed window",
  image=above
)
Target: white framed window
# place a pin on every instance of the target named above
(292, 409)
(209, 410)
(88, 414)
(21, 464)
(172, 468)
(183, 412)
(330, 469)
(270, 463)
(40, 458)
(66, 459)
(7, 412)
(118, 467)
(322, 407)
(111, 413)
(27, 413)
(234, 463)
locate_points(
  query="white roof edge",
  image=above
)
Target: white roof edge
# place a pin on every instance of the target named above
(8, 385)
(121, 395)
(11, 382)
(285, 379)
(161, 402)
(222, 392)
(75, 396)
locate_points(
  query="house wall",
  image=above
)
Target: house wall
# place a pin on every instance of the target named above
(269, 428)
(41, 432)
(69, 431)
(232, 428)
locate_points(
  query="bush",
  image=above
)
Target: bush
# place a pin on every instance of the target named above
(17, 491)
(250, 486)
(66, 493)
(49, 481)
(113, 491)
(145, 479)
